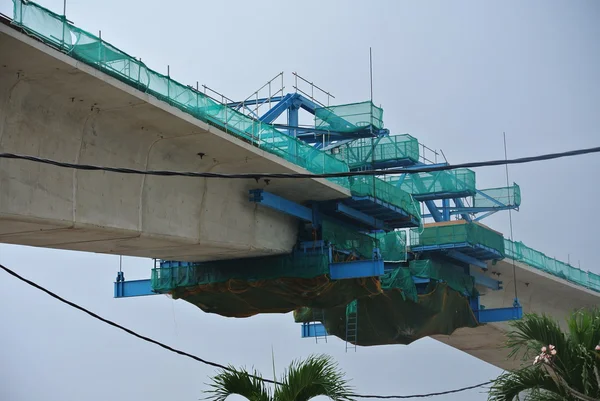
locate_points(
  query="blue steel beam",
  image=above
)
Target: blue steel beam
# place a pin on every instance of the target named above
(356, 269)
(498, 314)
(466, 259)
(275, 111)
(435, 213)
(446, 209)
(485, 281)
(459, 204)
(360, 216)
(133, 288)
(280, 204)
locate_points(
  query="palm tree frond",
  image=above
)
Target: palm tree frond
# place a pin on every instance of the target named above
(534, 381)
(228, 382)
(317, 375)
(532, 332)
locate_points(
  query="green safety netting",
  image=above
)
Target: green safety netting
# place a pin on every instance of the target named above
(376, 150)
(522, 253)
(388, 318)
(348, 239)
(456, 233)
(97, 53)
(401, 279)
(349, 117)
(392, 245)
(459, 181)
(509, 196)
(90, 49)
(373, 186)
(452, 275)
(272, 284)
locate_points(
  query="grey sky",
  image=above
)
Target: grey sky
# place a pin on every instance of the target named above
(453, 74)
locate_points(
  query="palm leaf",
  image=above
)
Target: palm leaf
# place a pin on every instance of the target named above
(317, 375)
(534, 381)
(228, 382)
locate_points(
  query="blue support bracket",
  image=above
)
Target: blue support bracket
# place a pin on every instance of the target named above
(354, 214)
(356, 269)
(133, 288)
(313, 330)
(498, 314)
(280, 204)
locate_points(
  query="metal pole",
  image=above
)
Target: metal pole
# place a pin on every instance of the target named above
(510, 219)
(371, 72)
(64, 21)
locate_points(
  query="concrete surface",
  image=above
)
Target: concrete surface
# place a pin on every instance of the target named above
(54, 107)
(538, 292)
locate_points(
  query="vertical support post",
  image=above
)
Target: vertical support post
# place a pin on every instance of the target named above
(446, 209)
(64, 28)
(293, 119)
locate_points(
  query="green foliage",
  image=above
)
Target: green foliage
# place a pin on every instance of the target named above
(571, 374)
(302, 381)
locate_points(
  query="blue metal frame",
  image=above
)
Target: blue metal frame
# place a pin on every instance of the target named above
(133, 288)
(393, 216)
(485, 281)
(313, 329)
(498, 314)
(356, 269)
(478, 251)
(457, 255)
(281, 204)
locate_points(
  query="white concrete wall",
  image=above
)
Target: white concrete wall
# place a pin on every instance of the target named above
(54, 107)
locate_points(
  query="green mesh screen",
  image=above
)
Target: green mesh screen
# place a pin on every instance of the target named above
(386, 148)
(349, 117)
(510, 196)
(349, 240)
(273, 284)
(456, 233)
(446, 272)
(300, 265)
(400, 278)
(452, 182)
(392, 246)
(373, 186)
(352, 307)
(390, 319)
(99, 54)
(522, 253)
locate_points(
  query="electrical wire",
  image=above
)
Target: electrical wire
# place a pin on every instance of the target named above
(210, 363)
(257, 176)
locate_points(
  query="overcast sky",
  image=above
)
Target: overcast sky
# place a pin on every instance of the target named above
(453, 74)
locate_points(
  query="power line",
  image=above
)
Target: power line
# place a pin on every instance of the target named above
(206, 362)
(257, 176)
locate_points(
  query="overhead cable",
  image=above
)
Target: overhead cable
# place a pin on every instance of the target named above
(256, 176)
(207, 362)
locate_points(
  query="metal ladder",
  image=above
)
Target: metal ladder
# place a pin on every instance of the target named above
(319, 316)
(352, 325)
